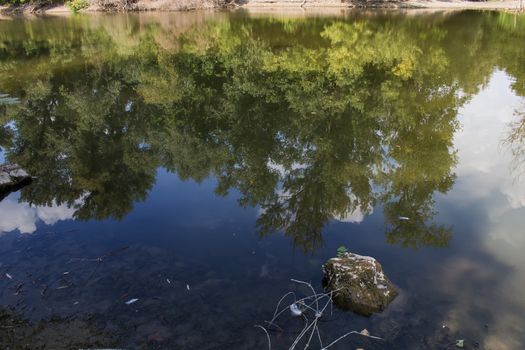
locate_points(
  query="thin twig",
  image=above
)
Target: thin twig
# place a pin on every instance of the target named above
(319, 337)
(307, 284)
(311, 327)
(349, 333)
(303, 332)
(280, 301)
(267, 335)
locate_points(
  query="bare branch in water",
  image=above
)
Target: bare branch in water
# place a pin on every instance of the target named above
(315, 304)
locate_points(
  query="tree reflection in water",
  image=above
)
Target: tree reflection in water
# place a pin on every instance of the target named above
(311, 120)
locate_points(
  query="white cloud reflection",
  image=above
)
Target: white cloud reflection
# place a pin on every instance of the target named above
(53, 214)
(23, 217)
(356, 216)
(486, 182)
(16, 216)
(485, 162)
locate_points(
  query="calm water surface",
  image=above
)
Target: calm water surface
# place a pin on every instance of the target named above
(200, 161)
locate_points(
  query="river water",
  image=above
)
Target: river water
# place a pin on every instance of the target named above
(199, 161)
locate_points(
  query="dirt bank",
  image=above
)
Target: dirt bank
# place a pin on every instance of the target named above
(415, 4)
(486, 5)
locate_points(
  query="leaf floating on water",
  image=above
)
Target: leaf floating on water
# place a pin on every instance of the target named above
(132, 301)
(460, 343)
(9, 276)
(296, 311)
(365, 332)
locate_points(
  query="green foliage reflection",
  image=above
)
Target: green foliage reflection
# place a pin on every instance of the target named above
(311, 120)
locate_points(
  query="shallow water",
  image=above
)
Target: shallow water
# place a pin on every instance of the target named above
(199, 161)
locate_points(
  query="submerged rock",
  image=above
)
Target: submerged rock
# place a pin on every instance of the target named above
(358, 283)
(12, 178)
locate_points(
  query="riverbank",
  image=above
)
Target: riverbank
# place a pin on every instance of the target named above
(116, 6)
(464, 5)
(409, 4)
(187, 5)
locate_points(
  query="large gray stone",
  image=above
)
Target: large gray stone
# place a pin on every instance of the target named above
(359, 284)
(12, 178)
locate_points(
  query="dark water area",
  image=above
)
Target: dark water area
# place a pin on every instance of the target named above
(199, 161)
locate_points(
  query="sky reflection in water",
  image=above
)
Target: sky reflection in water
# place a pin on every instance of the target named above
(185, 145)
